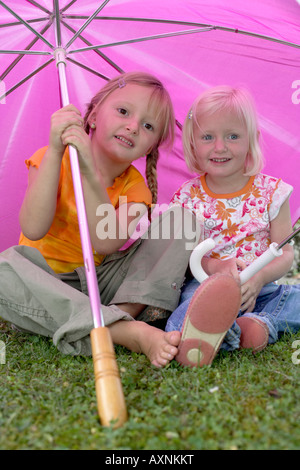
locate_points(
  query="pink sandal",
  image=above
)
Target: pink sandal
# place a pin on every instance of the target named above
(212, 311)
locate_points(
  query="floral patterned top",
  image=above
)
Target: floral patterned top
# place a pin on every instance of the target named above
(238, 222)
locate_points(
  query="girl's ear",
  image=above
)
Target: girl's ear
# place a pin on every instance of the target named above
(154, 148)
(149, 151)
(92, 118)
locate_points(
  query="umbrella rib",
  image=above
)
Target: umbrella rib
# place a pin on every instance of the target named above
(15, 62)
(16, 23)
(145, 20)
(25, 52)
(36, 4)
(85, 67)
(187, 23)
(88, 43)
(260, 36)
(178, 124)
(86, 23)
(142, 39)
(26, 78)
(181, 33)
(13, 13)
(68, 6)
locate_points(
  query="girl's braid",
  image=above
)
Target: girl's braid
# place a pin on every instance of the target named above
(151, 175)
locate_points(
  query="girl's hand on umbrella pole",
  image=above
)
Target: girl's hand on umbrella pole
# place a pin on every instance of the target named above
(60, 121)
(75, 135)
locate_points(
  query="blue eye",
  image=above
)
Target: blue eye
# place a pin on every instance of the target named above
(207, 137)
(233, 137)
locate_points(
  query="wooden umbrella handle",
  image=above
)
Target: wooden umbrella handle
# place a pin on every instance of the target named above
(110, 398)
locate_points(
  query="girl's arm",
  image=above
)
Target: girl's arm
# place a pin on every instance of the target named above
(39, 205)
(280, 228)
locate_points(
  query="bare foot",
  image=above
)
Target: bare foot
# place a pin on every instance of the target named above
(159, 346)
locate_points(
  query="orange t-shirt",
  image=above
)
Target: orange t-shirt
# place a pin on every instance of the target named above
(61, 247)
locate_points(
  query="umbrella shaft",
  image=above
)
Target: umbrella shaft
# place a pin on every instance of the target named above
(92, 283)
(62, 80)
(94, 295)
(288, 239)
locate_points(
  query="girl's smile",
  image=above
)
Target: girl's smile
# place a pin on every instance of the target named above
(124, 140)
(220, 160)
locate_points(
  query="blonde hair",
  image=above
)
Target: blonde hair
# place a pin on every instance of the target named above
(227, 98)
(165, 114)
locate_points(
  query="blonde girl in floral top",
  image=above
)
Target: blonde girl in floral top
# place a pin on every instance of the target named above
(244, 211)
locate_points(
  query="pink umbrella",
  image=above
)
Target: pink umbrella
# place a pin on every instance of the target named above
(189, 45)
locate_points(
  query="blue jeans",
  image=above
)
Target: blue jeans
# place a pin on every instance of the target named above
(277, 305)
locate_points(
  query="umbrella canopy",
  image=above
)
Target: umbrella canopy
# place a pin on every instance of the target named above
(190, 45)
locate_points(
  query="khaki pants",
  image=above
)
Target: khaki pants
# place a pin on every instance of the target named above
(150, 272)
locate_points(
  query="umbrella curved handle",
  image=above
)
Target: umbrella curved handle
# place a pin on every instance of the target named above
(208, 244)
(110, 398)
(196, 258)
(264, 259)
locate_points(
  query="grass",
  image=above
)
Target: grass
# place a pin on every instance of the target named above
(241, 402)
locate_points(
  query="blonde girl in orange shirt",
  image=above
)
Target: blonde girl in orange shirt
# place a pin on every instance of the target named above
(129, 118)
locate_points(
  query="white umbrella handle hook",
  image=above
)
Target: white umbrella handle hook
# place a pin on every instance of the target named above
(208, 244)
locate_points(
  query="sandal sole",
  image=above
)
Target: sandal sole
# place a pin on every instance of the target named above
(212, 311)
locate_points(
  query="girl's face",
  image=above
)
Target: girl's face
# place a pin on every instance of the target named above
(221, 144)
(126, 125)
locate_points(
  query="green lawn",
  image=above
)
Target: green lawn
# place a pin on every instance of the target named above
(242, 401)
